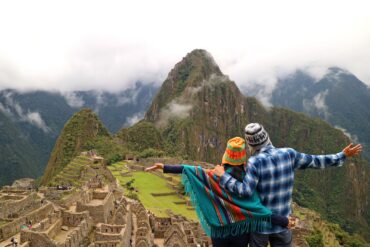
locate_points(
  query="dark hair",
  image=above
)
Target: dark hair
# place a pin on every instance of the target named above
(236, 172)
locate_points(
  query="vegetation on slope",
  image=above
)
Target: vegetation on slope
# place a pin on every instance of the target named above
(18, 156)
(76, 173)
(82, 128)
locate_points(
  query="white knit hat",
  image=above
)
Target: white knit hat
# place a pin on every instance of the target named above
(256, 136)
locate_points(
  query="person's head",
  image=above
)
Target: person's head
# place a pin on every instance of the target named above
(235, 157)
(256, 137)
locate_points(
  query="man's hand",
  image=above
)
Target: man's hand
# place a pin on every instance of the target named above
(219, 170)
(155, 167)
(351, 150)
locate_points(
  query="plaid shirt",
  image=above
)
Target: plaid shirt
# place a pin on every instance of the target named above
(271, 173)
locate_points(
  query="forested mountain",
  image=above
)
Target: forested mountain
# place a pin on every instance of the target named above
(339, 98)
(32, 121)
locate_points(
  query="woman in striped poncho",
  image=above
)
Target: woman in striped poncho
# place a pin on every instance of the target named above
(226, 218)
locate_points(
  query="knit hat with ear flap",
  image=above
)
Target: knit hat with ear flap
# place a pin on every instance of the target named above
(256, 136)
(235, 153)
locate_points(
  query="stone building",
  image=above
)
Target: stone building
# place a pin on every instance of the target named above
(94, 214)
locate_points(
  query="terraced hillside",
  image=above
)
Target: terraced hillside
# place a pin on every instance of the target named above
(76, 173)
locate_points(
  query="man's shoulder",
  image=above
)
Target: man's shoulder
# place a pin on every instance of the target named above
(274, 151)
(285, 150)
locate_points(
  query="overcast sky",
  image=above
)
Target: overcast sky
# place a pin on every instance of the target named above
(68, 45)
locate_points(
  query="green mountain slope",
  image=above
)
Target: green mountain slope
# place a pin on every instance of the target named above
(17, 153)
(338, 97)
(198, 109)
(83, 128)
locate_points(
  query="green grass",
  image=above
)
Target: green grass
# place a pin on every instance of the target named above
(3, 222)
(119, 166)
(147, 183)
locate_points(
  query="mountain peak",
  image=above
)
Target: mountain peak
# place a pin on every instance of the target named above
(83, 127)
(189, 84)
(196, 66)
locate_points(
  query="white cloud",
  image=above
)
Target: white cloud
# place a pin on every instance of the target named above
(109, 45)
(5, 110)
(19, 114)
(134, 119)
(124, 99)
(352, 137)
(318, 104)
(35, 119)
(174, 110)
(73, 100)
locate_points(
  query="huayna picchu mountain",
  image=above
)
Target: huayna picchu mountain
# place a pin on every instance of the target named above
(198, 108)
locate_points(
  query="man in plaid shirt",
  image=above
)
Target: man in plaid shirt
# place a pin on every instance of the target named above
(270, 171)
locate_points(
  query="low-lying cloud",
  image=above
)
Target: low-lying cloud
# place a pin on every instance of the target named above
(318, 104)
(134, 119)
(174, 110)
(73, 100)
(352, 137)
(14, 110)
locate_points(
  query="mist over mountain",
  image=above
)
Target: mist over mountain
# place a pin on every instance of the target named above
(339, 98)
(33, 121)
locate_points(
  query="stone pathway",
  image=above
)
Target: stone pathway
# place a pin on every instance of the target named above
(133, 235)
(159, 242)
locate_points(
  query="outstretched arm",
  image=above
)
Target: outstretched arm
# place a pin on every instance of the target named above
(242, 189)
(166, 168)
(303, 161)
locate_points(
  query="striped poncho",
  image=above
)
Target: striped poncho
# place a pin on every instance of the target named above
(221, 213)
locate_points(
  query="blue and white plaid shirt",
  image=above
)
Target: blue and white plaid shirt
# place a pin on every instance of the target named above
(271, 173)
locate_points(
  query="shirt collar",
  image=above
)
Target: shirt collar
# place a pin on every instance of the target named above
(267, 147)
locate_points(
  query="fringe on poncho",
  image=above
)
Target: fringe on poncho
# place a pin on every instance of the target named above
(220, 212)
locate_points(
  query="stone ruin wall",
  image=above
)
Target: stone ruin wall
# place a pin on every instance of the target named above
(101, 212)
(14, 204)
(12, 228)
(113, 233)
(79, 235)
(74, 219)
(48, 228)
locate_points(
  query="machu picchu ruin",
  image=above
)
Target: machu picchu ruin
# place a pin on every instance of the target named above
(84, 205)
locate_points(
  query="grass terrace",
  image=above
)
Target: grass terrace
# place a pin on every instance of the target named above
(75, 173)
(148, 183)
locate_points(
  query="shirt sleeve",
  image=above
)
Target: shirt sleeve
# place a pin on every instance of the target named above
(245, 188)
(303, 161)
(176, 169)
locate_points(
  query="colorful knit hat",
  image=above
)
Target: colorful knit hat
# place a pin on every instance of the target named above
(256, 136)
(235, 153)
